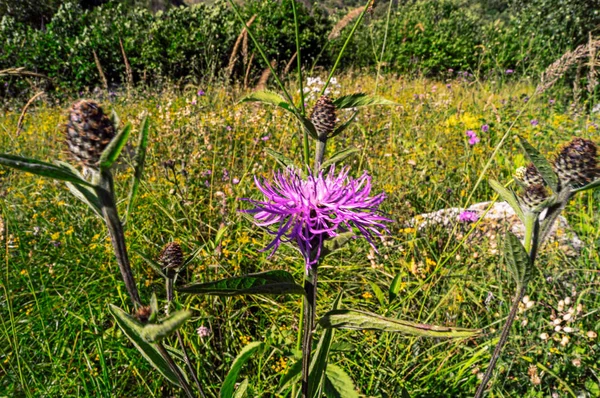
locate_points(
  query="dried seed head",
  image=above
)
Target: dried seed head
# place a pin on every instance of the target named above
(532, 176)
(577, 163)
(171, 257)
(534, 195)
(89, 131)
(323, 116)
(143, 314)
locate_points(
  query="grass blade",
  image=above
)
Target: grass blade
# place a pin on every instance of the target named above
(42, 169)
(360, 99)
(140, 160)
(114, 148)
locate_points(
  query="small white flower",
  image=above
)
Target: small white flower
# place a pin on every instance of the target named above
(557, 329)
(557, 321)
(544, 336)
(567, 300)
(591, 334)
(564, 341)
(568, 329)
(566, 317)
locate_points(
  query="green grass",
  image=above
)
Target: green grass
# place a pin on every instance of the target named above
(57, 337)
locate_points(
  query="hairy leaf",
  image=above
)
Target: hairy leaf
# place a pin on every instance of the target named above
(42, 169)
(338, 157)
(361, 320)
(338, 384)
(340, 129)
(280, 158)
(360, 99)
(541, 164)
(517, 260)
(509, 197)
(268, 97)
(155, 332)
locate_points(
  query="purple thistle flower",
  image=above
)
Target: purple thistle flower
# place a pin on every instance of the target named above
(468, 216)
(509, 71)
(534, 122)
(309, 211)
(485, 128)
(473, 139)
(200, 93)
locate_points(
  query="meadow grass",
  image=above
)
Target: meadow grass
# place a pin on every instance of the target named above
(59, 274)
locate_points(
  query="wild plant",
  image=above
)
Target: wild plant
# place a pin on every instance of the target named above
(546, 187)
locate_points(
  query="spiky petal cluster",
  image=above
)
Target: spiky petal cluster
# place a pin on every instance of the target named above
(323, 116)
(89, 131)
(577, 163)
(309, 211)
(171, 257)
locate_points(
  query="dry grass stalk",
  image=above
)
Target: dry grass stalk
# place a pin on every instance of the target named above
(337, 29)
(288, 66)
(22, 117)
(264, 77)
(245, 49)
(100, 71)
(592, 63)
(127, 66)
(237, 44)
(248, 67)
(559, 67)
(22, 72)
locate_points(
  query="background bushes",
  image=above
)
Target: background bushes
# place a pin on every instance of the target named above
(195, 43)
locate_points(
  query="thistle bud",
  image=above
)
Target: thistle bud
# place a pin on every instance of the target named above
(143, 314)
(323, 116)
(171, 258)
(577, 163)
(532, 176)
(534, 195)
(89, 131)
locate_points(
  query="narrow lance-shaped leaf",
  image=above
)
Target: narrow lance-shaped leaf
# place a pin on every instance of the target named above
(155, 332)
(42, 169)
(360, 99)
(517, 260)
(268, 282)
(541, 164)
(361, 320)
(239, 361)
(113, 150)
(509, 197)
(132, 329)
(240, 392)
(307, 125)
(268, 97)
(338, 157)
(140, 160)
(395, 287)
(293, 375)
(342, 127)
(591, 185)
(338, 384)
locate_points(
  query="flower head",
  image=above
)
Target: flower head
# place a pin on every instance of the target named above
(468, 216)
(312, 210)
(473, 139)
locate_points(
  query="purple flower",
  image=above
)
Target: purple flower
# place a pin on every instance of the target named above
(468, 216)
(485, 128)
(203, 331)
(551, 101)
(309, 211)
(235, 181)
(265, 138)
(473, 139)
(228, 128)
(509, 71)
(194, 102)
(200, 93)
(534, 122)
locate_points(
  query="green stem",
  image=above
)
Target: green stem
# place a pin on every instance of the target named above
(387, 25)
(503, 338)
(339, 57)
(184, 384)
(105, 193)
(319, 154)
(305, 145)
(310, 298)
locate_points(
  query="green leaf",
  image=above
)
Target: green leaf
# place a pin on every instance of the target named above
(332, 245)
(338, 384)
(268, 97)
(340, 129)
(395, 287)
(240, 392)
(509, 197)
(541, 164)
(42, 169)
(293, 375)
(280, 158)
(307, 125)
(360, 99)
(155, 332)
(140, 160)
(268, 282)
(378, 293)
(81, 192)
(132, 329)
(155, 266)
(361, 320)
(338, 157)
(552, 214)
(236, 367)
(517, 260)
(318, 365)
(113, 149)
(591, 185)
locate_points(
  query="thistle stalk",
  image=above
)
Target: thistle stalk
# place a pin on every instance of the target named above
(105, 192)
(310, 299)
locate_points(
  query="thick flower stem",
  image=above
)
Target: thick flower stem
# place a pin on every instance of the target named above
(319, 154)
(503, 337)
(167, 357)
(104, 190)
(310, 299)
